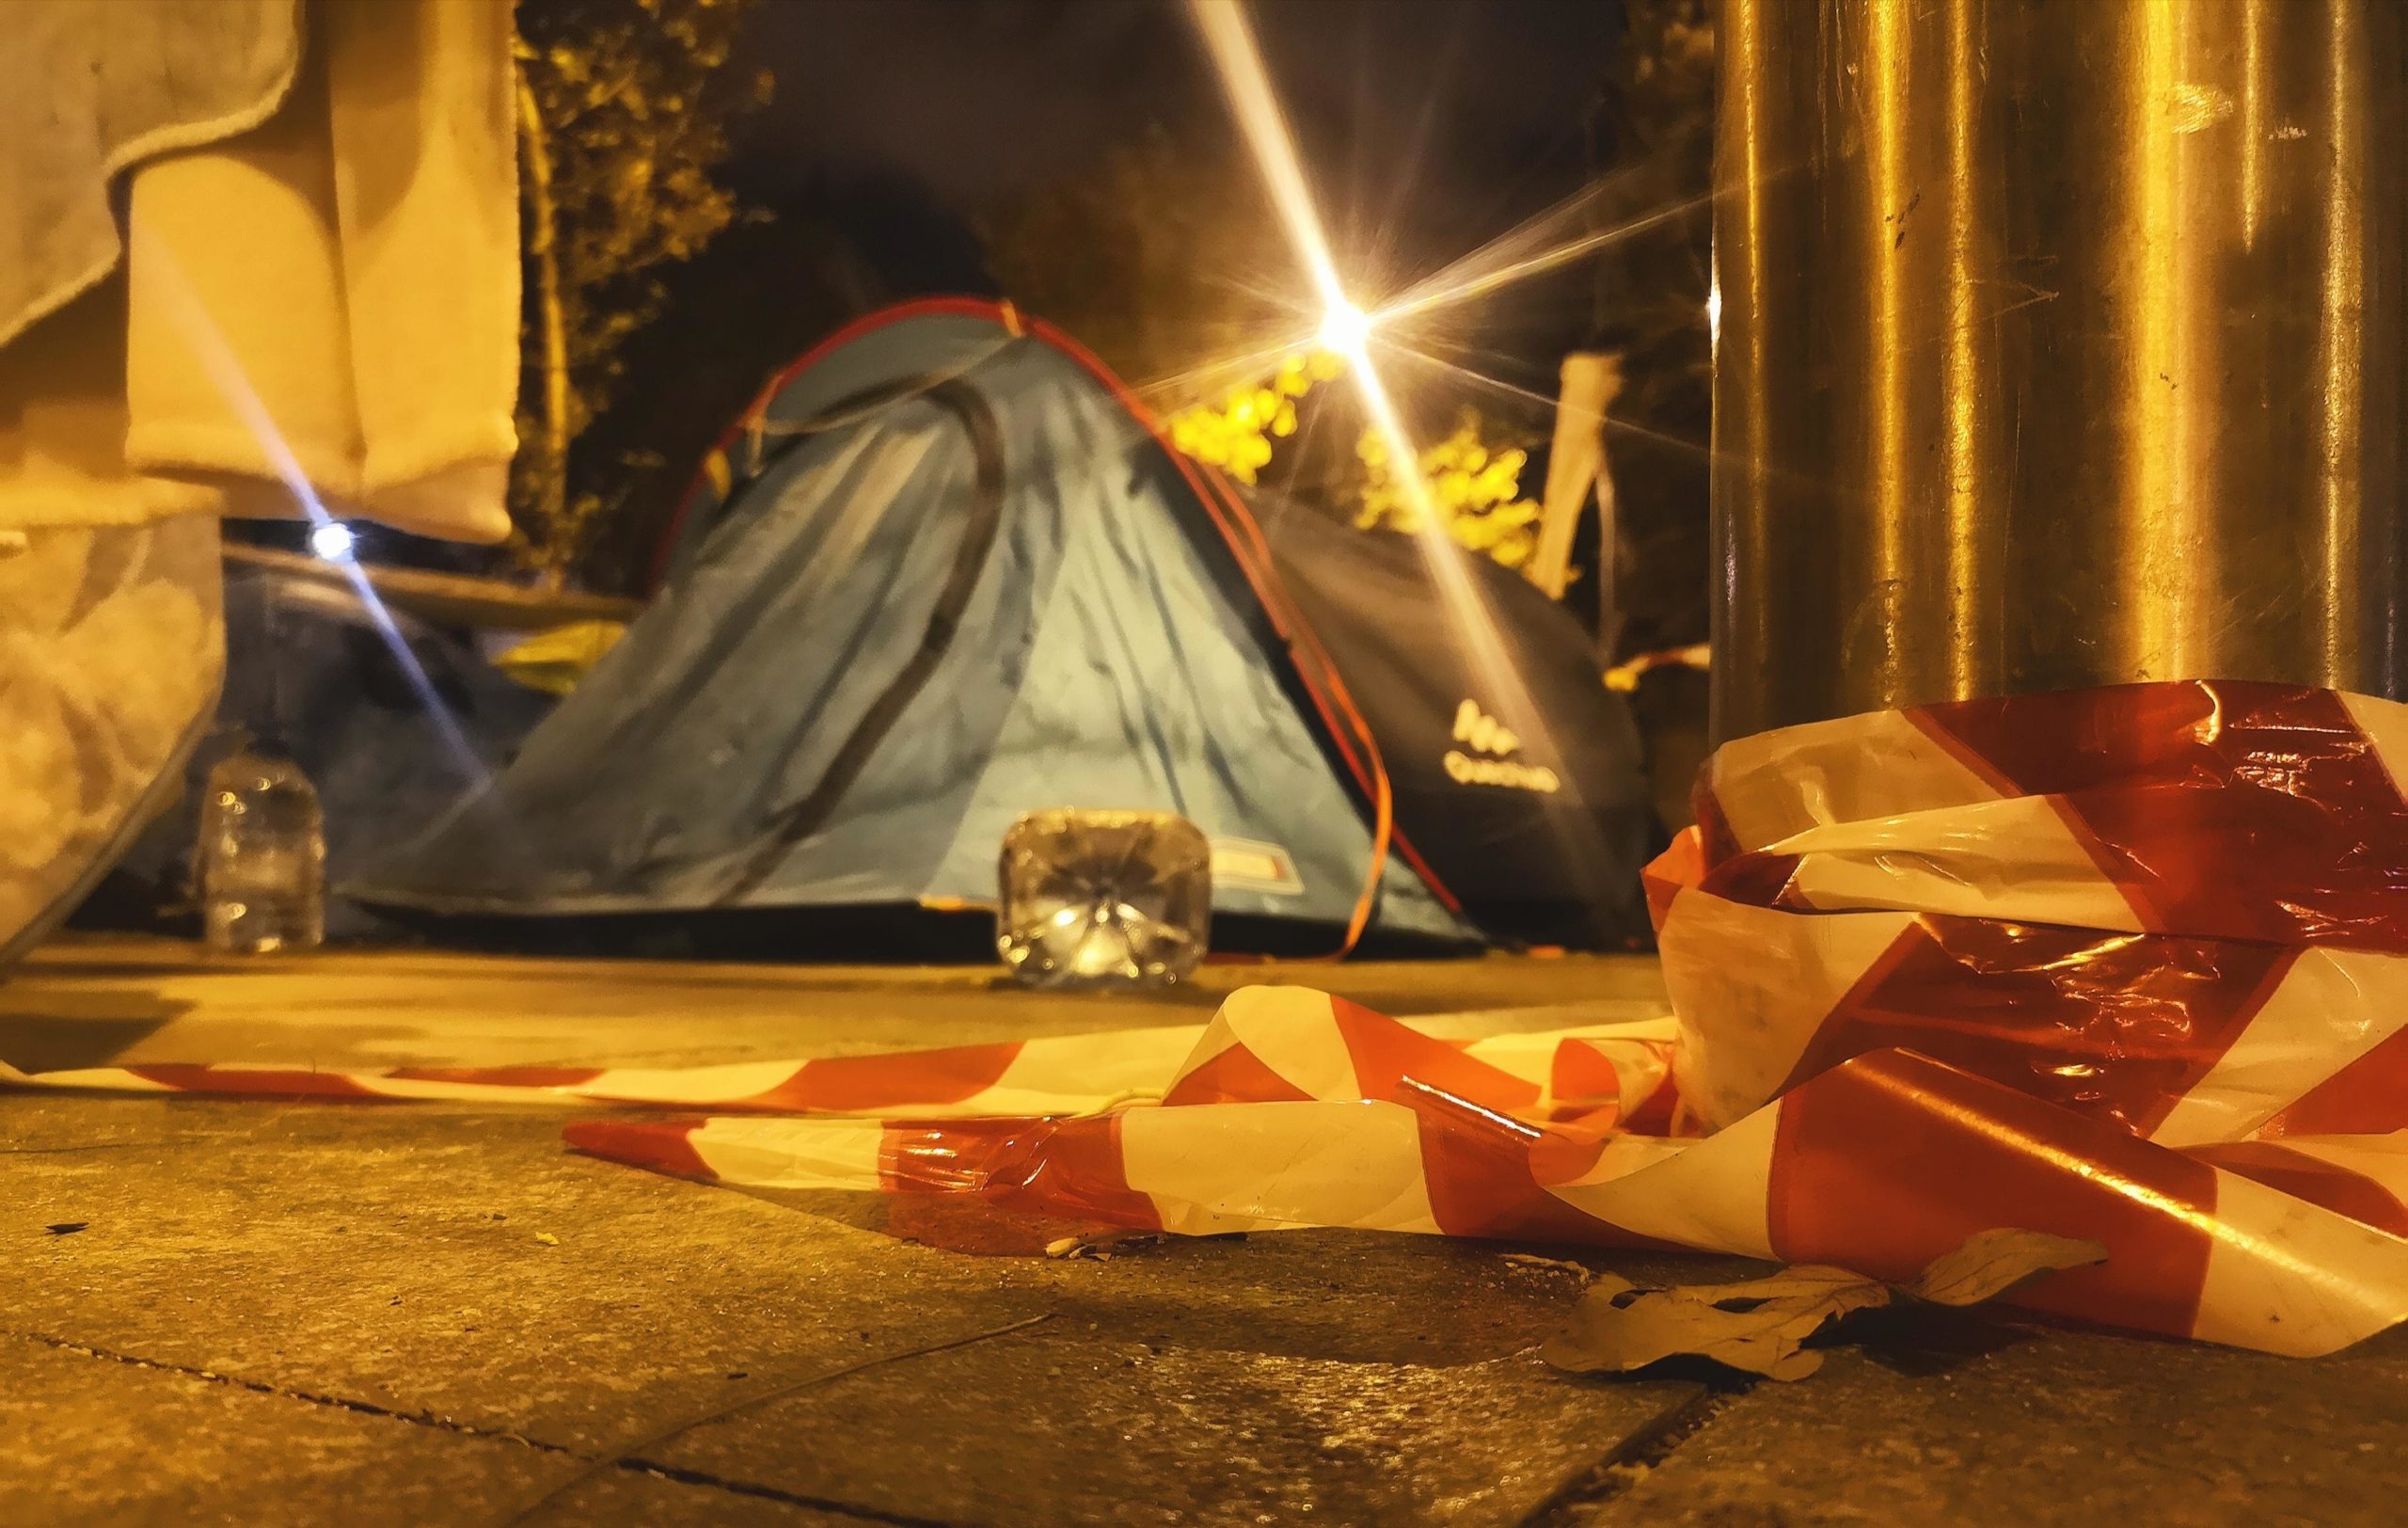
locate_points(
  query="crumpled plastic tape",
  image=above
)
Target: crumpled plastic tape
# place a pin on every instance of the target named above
(2121, 964)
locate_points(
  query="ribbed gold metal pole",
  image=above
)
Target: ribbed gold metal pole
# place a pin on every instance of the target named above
(2059, 344)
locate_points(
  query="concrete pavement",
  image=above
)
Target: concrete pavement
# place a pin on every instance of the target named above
(310, 1313)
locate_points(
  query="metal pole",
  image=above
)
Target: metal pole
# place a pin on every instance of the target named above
(2059, 344)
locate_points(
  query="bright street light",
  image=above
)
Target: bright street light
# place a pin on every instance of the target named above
(1344, 328)
(332, 541)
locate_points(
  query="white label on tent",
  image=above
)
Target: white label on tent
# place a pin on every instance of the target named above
(1249, 866)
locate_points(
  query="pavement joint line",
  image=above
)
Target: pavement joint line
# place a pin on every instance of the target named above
(98, 1146)
(629, 1456)
(770, 1493)
(260, 1387)
(1645, 1447)
(629, 1461)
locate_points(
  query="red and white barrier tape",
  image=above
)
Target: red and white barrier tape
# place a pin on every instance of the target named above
(1252, 1050)
(2127, 964)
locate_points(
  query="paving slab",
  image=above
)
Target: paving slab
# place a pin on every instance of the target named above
(1071, 1423)
(84, 1001)
(1980, 1419)
(394, 1259)
(441, 1262)
(90, 1438)
(314, 1311)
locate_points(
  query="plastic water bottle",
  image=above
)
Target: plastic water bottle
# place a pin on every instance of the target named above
(1104, 898)
(263, 857)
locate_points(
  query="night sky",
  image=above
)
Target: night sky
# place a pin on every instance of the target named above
(1429, 124)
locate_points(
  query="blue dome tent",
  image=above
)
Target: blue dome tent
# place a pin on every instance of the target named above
(943, 573)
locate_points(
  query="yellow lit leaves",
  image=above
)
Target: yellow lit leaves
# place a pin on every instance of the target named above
(1235, 432)
(1474, 480)
(1474, 493)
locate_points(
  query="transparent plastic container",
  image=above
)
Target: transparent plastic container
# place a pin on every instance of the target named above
(263, 857)
(1104, 898)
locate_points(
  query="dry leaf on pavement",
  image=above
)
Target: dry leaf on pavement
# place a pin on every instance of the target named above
(1760, 1326)
(1993, 1262)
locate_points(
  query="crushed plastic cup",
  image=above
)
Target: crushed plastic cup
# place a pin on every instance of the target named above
(1104, 898)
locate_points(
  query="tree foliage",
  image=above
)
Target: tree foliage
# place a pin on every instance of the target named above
(804, 259)
(1471, 483)
(1162, 259)
(1471, 479)
(630, 102)
(1237, 431)
(1653, 137)
(1167, 262)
